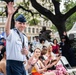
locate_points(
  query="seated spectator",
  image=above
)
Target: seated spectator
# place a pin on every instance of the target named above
(3, 61)
(35, 41)
(53, 60)
(44, 50)
(39, 68)
(55, 46)
(29, 64)
(40, 45)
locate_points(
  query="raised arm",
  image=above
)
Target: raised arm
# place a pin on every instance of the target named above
(10, 12)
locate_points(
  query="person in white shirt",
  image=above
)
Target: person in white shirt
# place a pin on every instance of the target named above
(35, 42)
(16, 43)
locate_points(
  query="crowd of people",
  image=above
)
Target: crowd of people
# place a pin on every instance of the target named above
(39, 63)
(17, 57)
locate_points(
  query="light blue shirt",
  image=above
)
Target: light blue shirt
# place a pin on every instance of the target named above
(1, 73)
(14, 46)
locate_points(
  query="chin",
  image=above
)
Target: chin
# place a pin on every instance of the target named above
(21, 29)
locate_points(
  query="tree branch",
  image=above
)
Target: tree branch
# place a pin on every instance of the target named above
(69, 13)
(2, 13)
(57, 7)
(39, 15)
(42, 10)
(21, 7)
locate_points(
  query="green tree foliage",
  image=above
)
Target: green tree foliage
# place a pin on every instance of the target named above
(72, 19)
(31, 19)
(54, 28)
(34, 21)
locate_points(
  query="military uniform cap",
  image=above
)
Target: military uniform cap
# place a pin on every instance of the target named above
(20, 18)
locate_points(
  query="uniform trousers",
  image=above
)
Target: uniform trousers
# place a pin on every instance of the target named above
(14, 67)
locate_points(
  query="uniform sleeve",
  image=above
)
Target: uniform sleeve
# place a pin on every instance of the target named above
(9, 36)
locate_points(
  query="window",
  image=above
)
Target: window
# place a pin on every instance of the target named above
(4, 19)
(1, 19)
(33, 30)
(29, 29)
(1, 29)
(37, 30)
(40, 30)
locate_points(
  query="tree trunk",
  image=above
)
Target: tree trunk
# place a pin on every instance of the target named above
(58, 19)
(61, 29)
(59, 22)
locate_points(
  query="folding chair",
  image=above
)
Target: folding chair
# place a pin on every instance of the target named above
(67, 65)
